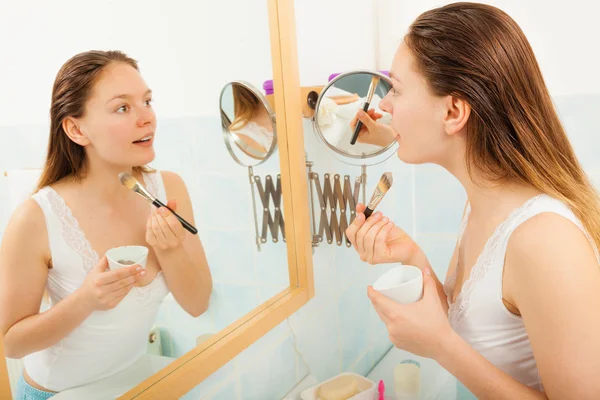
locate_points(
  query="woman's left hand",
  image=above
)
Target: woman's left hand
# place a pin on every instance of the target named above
(163, 229)
(420, 328)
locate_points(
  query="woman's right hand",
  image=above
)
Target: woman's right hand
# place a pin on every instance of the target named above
(372, 132)
(378, 240)
(104, 290)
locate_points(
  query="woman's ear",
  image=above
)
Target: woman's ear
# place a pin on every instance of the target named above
(73, 131)
(457, 115)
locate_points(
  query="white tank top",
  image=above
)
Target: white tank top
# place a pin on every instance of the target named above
(259, 134)
(107, 341)
(479, 316)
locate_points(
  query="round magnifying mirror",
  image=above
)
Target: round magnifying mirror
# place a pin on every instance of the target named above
(248, 123)
(337, 107)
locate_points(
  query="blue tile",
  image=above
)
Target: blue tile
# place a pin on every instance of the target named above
(227, 202)
(381, 346)
(348, 267)
(272, 375)
(182, 342)
(440, 200)
(224, 376)
(353, 309)
(579, 117)
(228, 392)
(264, 344)
(173, 147)
(166, 342)
(324, 270)
(363, 366)
(266, 293)
(271, 264)
(229, 302)
(26, 146)
(227, 266)
(317, 339)
(439, 251)
(326, 286)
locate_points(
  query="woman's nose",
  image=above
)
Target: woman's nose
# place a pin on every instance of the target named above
(385, 104)
(145, 116)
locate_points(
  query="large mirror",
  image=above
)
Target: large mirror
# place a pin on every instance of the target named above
(152, 116)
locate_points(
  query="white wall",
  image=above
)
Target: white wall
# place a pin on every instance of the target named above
(564, 37)
(187, 51)
(334, 36)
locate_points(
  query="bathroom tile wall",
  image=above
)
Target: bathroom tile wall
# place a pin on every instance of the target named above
(338, 329)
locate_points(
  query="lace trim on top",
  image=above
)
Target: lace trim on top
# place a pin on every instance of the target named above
(71, 231)
(259, 133)
(484, 262)
(150, 183)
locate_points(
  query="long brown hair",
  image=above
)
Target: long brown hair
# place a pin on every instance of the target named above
(479, 54)
(245, 104)
(71, 90)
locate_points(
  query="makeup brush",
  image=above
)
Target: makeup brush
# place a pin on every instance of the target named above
(383, 186)
(132, 184)
(372, 87)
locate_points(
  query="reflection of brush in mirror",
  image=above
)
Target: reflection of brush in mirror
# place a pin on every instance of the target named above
(372, 87)
(382, 187)
(132, 184)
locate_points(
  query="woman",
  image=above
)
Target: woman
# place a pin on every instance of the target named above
(102, 123)
(252, 123)
(518, 317)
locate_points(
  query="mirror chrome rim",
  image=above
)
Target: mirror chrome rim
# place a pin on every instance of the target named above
(315, 119)
(229, 136)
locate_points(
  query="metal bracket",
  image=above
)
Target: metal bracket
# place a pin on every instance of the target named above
(331, 198)
(270, 223)
(276, 222)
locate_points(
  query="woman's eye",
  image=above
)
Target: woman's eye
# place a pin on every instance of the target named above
(123, 108)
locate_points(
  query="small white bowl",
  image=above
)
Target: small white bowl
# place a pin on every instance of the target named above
(125, 256)
(403, 284)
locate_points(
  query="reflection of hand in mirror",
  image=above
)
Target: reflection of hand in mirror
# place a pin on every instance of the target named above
(96, 324)
(252, 123)
(372, 132)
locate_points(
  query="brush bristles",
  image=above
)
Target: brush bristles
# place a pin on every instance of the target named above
(383, 186)
(132, 184)
(372, 88)
(127, 180)
(385, 183)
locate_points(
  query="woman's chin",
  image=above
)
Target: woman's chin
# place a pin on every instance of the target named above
(147, 158)
(408, 157)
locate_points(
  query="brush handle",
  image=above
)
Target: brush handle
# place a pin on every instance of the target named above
(368, 213)
(185, 224)
(358, 126)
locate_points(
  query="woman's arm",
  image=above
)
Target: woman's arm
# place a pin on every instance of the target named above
(552, 276)
(23, 275)
(479, 375)
(185, 267)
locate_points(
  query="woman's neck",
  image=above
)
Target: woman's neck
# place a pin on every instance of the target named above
(101, 182)
(488, 197)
